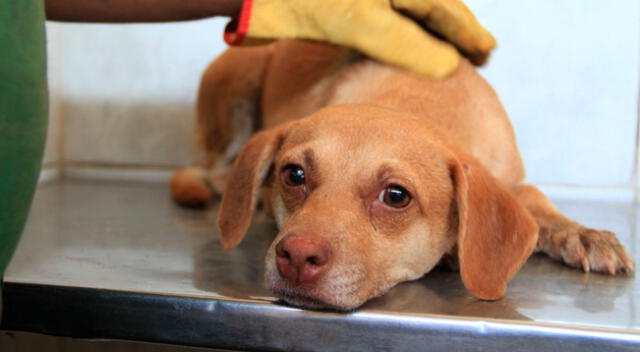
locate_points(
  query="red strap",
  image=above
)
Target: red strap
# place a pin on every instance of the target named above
(237, 29)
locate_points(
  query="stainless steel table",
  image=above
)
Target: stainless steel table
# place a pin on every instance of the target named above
(121, 261)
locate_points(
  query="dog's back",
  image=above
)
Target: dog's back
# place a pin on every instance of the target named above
(302, 77)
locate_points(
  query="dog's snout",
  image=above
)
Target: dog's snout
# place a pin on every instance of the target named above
(302, 260)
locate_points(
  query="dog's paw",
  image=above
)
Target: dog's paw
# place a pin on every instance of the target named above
(190, 187)
(594, 250)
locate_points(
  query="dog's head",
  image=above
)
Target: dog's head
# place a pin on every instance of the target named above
(366, 198)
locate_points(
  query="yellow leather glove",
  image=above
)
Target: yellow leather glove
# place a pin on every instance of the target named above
(378, 28)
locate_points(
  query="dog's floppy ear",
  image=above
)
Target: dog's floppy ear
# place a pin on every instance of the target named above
(249, 171)
(496, 234)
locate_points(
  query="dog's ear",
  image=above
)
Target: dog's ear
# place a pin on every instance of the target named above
(496, 234)
(248, 174)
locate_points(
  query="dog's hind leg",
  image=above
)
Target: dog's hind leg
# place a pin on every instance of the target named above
(576, 245)
(228, 112)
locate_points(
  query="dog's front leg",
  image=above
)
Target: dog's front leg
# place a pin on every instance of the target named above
(576, 245)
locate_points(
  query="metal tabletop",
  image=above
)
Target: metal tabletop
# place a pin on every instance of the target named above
(120, 260)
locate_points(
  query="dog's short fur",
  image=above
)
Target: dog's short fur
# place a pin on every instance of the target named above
(356, 127)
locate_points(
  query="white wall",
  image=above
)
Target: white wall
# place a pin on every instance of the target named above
(128, 91)
(567, 72)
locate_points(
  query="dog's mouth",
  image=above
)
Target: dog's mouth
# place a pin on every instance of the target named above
(311, 298)
(299, 297)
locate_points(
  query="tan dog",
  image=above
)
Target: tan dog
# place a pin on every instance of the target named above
(377, 192)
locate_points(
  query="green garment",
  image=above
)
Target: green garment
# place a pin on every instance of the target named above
(23, 115)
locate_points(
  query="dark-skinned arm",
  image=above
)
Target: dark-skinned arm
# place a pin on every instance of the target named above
(120, 11)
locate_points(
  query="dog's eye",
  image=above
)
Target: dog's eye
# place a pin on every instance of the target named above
(395, 197)
(293, 175)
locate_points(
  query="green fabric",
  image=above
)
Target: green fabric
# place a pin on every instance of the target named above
(23, 114)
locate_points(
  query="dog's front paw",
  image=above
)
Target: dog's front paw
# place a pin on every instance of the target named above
(591, 250)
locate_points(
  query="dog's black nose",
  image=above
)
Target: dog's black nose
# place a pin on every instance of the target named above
(302, 259)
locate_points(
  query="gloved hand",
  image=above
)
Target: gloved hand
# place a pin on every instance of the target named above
(378, 28)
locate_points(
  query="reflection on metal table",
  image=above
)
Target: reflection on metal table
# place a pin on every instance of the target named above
(118, 260)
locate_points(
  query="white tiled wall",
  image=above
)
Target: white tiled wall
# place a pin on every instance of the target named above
(567, 72)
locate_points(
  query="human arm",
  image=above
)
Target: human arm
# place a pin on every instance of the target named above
(121, 11)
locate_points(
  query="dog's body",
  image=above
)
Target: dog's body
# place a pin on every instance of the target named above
(378, 191)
